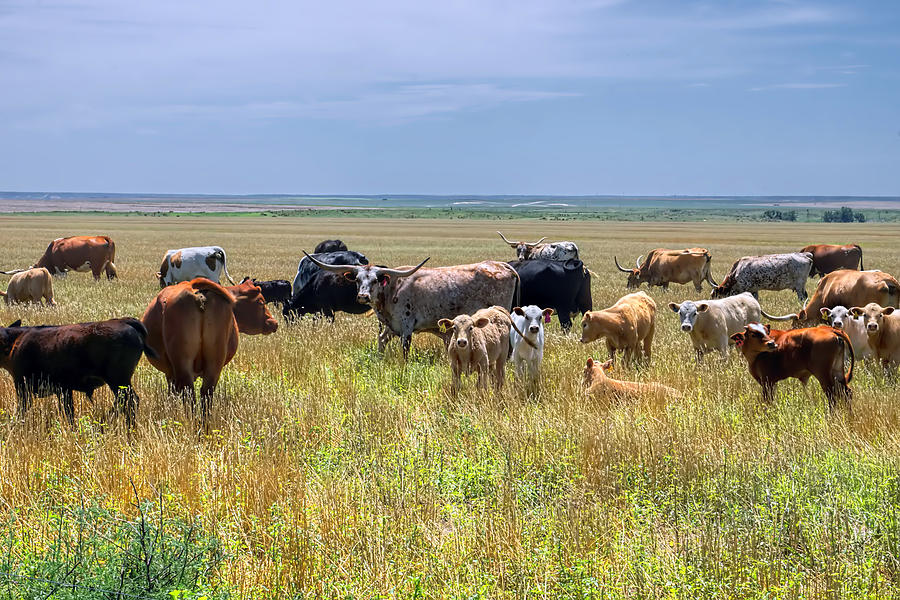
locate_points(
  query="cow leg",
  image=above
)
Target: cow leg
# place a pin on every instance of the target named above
(207, 388)
(67, 405)
(110, 272)
(24, 395)
(499, 373)
(126, 402)
(612, 351)
(384, 336)
(768, 391)
(407, 342)
(648, 341)
(697, 282)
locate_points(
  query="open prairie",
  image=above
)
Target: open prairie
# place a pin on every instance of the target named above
(333, 471)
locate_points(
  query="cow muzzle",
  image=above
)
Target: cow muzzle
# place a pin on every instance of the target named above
(771, 345)
(872, 326)
(271, 326)
(534, 329)
(687, 327)
(462, 343)
(838, 324)
(363, 298)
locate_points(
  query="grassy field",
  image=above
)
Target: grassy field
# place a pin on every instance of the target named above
(332, 471)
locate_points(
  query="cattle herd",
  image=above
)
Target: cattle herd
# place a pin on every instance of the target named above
(486, 313)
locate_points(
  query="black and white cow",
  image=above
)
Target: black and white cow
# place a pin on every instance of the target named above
(316, 291)
(768, 272)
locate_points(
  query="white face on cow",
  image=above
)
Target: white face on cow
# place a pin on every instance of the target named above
(369, 284)
(872, 315)
(530, 319)
(838, 317)
(688, 312)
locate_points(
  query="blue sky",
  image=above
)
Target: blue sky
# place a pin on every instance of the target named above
(457, 96)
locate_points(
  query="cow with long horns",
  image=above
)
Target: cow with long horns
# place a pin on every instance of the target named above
(412, 299)
(562, 251)
(664, 266)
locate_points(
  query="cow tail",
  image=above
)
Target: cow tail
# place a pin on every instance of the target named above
(142, 331)
(225, 268)
(517, 295)
(861, 267)
(845, 340)
(112, 252)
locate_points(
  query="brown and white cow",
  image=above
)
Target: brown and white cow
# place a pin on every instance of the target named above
(185, 264)
(478, 343)
(664, 266)
(627, 325)
(413, 299)
(882, 324)
(831, 257)
(773, 355)
(32, 285)
(598, 385)
(847, 288)
(94, 253)
(561, 251)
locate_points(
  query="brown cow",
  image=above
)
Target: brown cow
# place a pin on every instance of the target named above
(626, 325)
(773, 355)
(95, 253)
(32, 285)
(883, 327)
(831, 257)
(250, 310)
(847, 288)
(478, 343)
(663, 266)
(192, 329)
(600, 386)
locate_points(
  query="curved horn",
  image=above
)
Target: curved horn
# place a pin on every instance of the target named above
(536, 243)
(14, 271)
(620, 267)
(789, 317)
(402, 273)
(332, 268)
(637, 263)
(513, 244)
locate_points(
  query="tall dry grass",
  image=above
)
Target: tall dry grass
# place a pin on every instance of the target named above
(333, 471)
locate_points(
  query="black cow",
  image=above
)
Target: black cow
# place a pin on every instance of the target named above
(324, 292)
(562, 286)
(330, 246)
(275, 290)
(61, 359)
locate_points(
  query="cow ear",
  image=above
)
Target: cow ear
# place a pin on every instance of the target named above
(825, 312)
(857, 311)
(244, 280)
(768, 329)
(702, 307)
(349, 275)
(607, 366)
(590, 363)
(674, 307)
(482, 322)
(445, 324)
(738, 338)
(16, 323)
(887, 310)
(548, 312)
(518, 310)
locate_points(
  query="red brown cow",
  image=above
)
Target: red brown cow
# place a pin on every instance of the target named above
(773, 355)
(94, 253)
(664, 266)
(831, 257)
(250, 310)
(847, 288)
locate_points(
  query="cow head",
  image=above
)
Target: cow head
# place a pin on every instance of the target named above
(595, 370)
(837, 317)
(872, 315)
(8, 337)
(533, 319)
(634, 275)
(754, 340)
(462, 330)
(688, 312)
(250, 310)
(371, 281)
(524, 250)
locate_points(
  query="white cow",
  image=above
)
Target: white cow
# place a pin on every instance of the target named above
(185, 264)
(840, 317)
(528, 351)
(712, 322)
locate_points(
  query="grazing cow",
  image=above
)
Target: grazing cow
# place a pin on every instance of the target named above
(193, 331)
(839, 317)
(626, 325)
(61, 359)
(773, 355)
(528, 346)
(94, 253)
(330, 246)
(831, 257)
(31, 285)
(602, 387)
(189, 263)
(413, 299)
(768, 272)
(250, 312)
(710, 323)
(847, 288)
(551, 251)
(275, 290)
(319, 291)
(664, 266)
(478, 343)
(882, 325)
(563, 286)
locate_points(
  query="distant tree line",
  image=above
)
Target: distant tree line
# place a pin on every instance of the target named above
(780, 215)
(845, 215)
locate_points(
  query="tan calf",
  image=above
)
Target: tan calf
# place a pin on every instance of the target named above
(478, 343)
(627, 325)
(602, 387)
(882, 324)
(31, 285)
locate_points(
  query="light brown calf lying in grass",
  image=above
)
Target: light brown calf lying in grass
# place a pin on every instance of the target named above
(479, 343)
(600, 386)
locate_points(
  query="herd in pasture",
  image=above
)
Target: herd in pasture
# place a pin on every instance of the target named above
(486, 314)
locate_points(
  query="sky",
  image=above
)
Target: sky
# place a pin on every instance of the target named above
(556, 97)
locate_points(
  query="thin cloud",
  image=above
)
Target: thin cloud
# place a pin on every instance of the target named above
(798, 86)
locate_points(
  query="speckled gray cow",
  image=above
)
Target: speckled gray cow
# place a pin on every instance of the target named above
(769, 272)
(413, 299)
